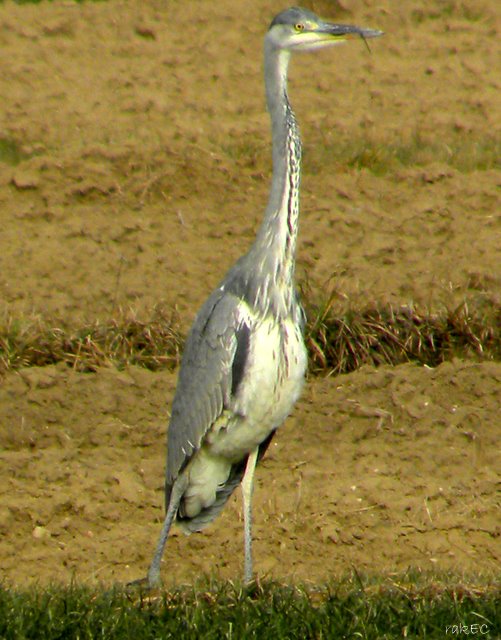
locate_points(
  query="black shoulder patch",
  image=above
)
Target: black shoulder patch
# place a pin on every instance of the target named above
(240, 359)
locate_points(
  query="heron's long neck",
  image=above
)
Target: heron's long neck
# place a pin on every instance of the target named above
(276, 239)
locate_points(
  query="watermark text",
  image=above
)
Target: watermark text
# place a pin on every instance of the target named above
(466, 629)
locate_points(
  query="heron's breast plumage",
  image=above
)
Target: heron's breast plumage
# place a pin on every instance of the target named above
(271, 384)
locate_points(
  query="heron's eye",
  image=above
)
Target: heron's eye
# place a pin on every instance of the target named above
(299, 27)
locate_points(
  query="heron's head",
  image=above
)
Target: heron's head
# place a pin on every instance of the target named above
(297, 29)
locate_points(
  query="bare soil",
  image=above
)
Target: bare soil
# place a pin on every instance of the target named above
(143, 173)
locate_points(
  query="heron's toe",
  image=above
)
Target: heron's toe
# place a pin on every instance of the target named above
(143, 585)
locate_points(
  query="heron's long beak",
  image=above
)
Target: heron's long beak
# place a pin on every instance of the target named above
(346, 31)
(324, 34)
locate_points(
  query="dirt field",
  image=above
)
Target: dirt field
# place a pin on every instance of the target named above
(139, 172)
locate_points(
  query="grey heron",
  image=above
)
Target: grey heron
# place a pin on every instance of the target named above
(245, 359)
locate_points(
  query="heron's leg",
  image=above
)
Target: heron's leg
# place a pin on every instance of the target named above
(154, 570)
(247, 489)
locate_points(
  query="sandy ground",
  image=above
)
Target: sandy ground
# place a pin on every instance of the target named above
(144, 174)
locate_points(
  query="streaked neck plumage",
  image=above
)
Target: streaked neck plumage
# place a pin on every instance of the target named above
(264, 277)
(276, 238)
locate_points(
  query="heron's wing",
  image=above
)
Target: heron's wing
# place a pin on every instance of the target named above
(213, 365)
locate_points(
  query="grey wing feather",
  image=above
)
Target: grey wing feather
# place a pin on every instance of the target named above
(205, 380)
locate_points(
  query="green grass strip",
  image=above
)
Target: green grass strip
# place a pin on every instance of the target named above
(353, 610)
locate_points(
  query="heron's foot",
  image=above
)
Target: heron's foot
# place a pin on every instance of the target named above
(144, 585)
(252, 588)
(141, 584)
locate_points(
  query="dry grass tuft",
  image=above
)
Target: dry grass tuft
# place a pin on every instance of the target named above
(338, 340)
(342, 341)
(121, 341)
